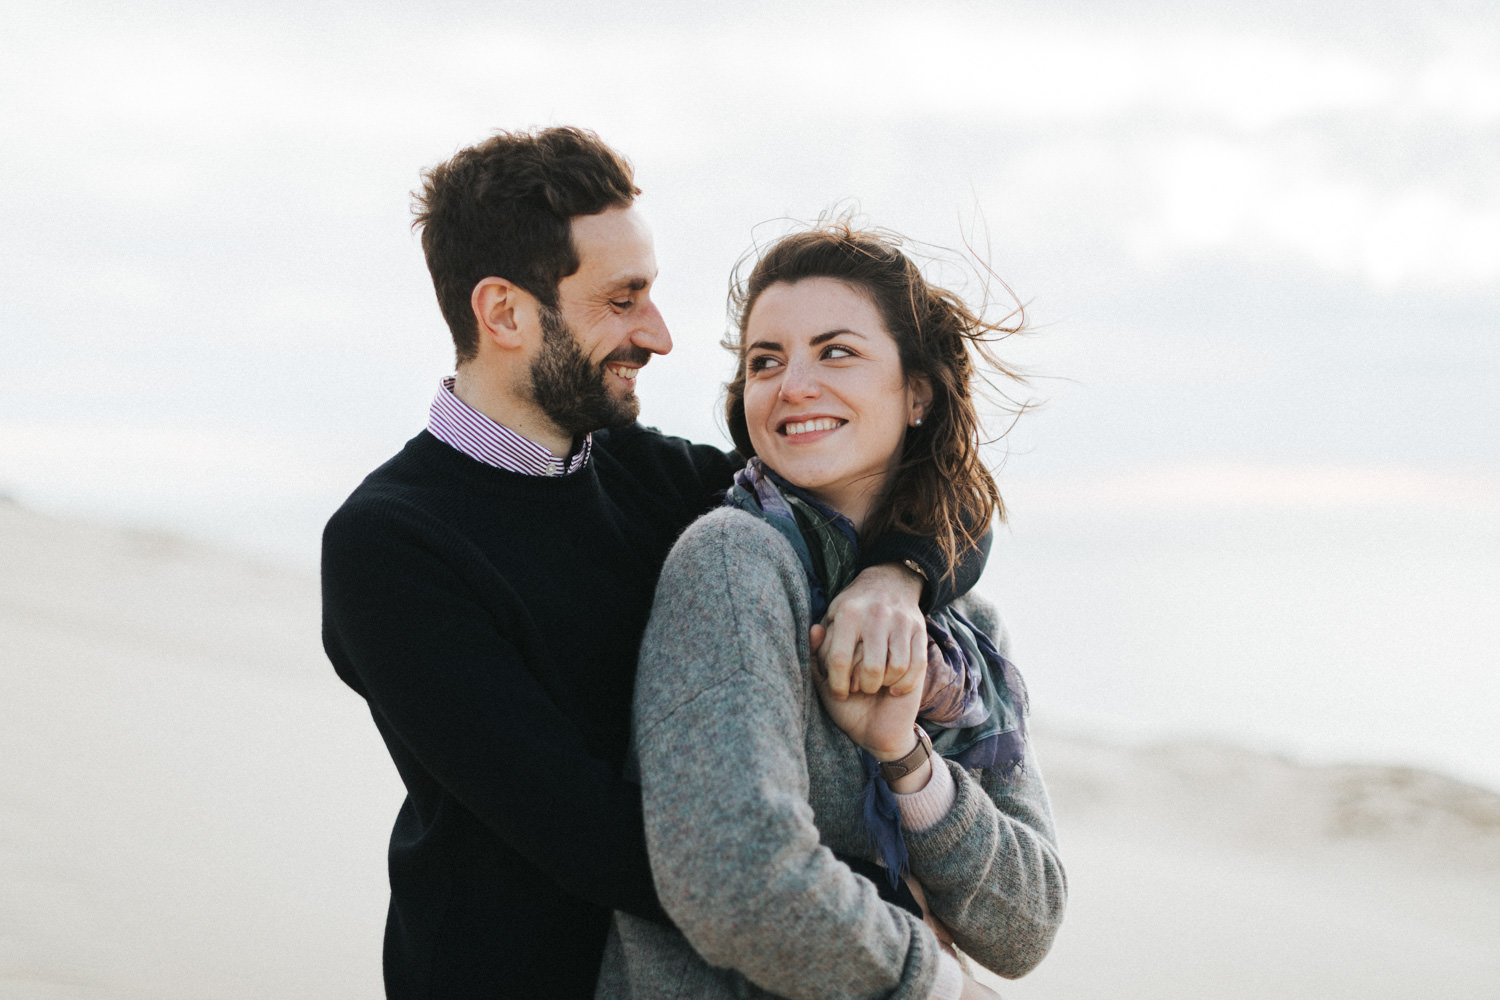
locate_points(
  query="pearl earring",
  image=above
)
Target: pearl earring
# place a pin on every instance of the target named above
(917, 422)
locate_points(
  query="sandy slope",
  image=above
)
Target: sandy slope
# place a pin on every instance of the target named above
(1202, 871)
(191, 806)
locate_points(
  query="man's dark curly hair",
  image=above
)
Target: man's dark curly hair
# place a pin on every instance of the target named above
(504, 208)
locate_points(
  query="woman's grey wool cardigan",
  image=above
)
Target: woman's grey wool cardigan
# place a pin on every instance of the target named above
(749, 787)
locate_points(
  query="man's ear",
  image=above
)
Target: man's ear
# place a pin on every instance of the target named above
(495, 301)
(918, 398)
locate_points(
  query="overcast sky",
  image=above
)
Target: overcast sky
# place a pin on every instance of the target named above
(1260, 244)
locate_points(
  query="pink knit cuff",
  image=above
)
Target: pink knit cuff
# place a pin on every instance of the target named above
(950, 978)
(924, 809)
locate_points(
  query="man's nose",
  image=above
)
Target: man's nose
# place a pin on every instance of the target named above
(652, 334)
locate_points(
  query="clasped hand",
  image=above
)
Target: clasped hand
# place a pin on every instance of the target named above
(873, 660)
(874, 635)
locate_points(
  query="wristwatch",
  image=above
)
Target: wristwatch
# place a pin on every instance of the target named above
(893, 770)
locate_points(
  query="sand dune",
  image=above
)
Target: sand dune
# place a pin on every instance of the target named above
(1208, 871)
(192, 806)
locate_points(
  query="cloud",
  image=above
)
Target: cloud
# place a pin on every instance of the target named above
(1285, 197)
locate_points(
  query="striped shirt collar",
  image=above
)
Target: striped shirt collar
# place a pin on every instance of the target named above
(456, 423)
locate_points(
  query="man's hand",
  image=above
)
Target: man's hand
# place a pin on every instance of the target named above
(874, 635)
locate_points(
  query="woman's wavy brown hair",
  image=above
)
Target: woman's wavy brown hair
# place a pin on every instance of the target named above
(941, 489)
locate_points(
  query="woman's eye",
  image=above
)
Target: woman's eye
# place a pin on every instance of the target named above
(761, 362)
(837, 351)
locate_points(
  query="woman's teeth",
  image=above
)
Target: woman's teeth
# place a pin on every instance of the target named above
(808, 426)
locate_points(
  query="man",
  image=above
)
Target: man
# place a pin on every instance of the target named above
(486, 589)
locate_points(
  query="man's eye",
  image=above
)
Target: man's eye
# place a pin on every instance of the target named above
(622, 305)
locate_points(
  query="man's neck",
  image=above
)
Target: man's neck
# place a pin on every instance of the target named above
(482, 392)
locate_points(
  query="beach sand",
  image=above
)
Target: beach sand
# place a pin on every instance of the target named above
(192, 806)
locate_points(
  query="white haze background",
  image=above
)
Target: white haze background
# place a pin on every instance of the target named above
(1260, 244)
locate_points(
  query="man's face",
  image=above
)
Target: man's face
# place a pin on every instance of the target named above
(605, 328)
(572, 390)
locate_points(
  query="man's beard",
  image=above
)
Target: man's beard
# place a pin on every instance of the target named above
(570, 389)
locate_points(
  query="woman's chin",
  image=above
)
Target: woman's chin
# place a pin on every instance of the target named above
(801, 477)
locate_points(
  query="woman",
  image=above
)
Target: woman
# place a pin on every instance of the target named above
(853, 394)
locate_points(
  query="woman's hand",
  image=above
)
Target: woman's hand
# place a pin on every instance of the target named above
(880, 723)
(874, 635)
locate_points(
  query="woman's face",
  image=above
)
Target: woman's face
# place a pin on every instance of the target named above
(826, 401)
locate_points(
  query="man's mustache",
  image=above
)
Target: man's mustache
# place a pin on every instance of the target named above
(631, 356)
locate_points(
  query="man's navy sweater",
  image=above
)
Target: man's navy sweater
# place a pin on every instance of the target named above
(492, 622)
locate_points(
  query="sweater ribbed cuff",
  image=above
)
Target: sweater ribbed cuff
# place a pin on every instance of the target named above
(925, 808)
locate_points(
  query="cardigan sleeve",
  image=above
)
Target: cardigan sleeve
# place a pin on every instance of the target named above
(990, 867)
(941, 589)
(720, 709)
(455, 700)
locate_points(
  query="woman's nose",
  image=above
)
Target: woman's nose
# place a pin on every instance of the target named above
(799, 382)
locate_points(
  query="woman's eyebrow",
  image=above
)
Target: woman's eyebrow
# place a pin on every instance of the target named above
(817, 339)
(823, 338)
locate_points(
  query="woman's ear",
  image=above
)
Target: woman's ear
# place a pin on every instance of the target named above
(494, 301)
(918, 399)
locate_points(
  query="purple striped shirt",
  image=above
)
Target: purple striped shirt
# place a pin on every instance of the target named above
(456, 423)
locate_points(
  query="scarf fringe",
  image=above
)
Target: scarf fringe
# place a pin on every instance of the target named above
(882, 818)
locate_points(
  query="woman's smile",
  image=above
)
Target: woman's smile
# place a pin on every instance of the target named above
(801, 430)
